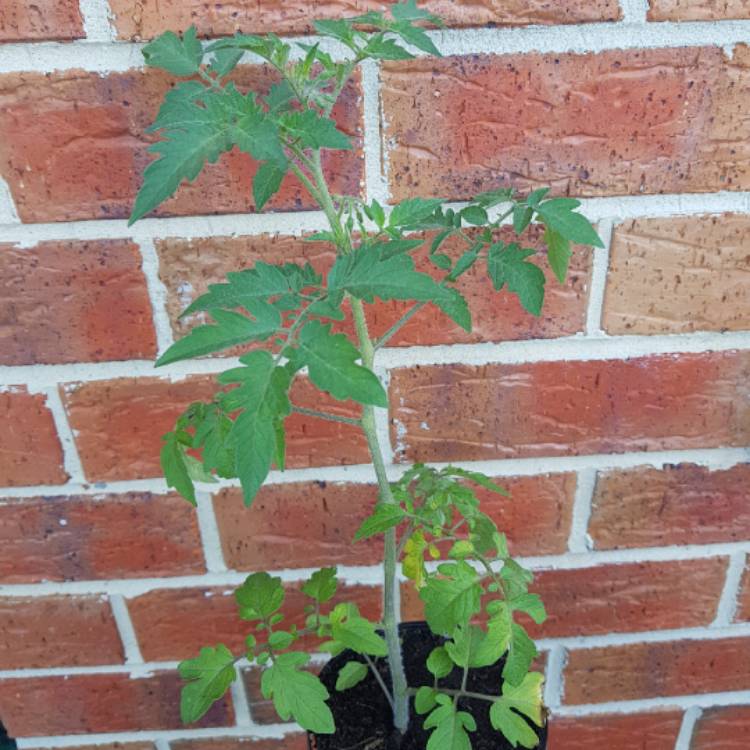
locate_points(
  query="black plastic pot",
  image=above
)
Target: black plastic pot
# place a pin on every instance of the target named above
(362, 714)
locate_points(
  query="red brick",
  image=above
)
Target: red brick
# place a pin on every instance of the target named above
(84, 538)
(722, 729)
(187, 267)
(151, 17)
(57, 632)
(119, 424)
(655, 670)
(697, 10)
(290, 742)
(743, 604)
(678, 275)
(74, 302)
(73, 146)
(35, 20)
(159, 618)
(30, 450)
(119, 746)
(610, 123)
(82, 704)
(647, 731)
(682, 504)
(452, 412)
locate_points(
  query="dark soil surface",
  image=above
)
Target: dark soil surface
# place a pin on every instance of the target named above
(363, 716)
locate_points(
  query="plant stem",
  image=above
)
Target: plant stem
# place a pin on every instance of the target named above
(326, 415)
(379, 678)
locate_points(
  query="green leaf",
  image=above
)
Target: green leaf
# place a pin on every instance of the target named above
(208, 678)
(408, 11)
(522, 216)
(181, 57)
(340, 29)
(425, 699)
(225, 60)
(475, 215)
(507, 264)
(395, 247)
(267, 181)
(412, 211)
(537, 195)
(462, 649)
(314, 131)
(260, 596)
(351, 674)
(558, 253)
(477, 477)
(439, 662)
(451, 727)
(452, 599)
(175, 469)
(386, 49)
(297, 694)
(281, 639)
(495, 642)
(532, 605)
(358, 634)
(416, 37)
(559, 215)
(525, 699)
(492, 198)
(331, 362)
(466, 261)
(521, 653)
(384, 517)
(412, 564)
(456, 308)
(322, 585)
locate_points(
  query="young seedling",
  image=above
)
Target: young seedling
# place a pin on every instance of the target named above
(290, 315)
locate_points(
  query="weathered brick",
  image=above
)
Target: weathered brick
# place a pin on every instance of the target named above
(452, 412)
(35, 20)
(290, 742)
(112, 536)
(743, 604)
(682, 504)
(151, 17)
(647, 731)
(187, 267)
(610, 123)
(654, 670)
(30, 450)
(118, 746)
(119, 424)
(74, 302)
(697, 10)
(57, 632)
(159, 618)
(93, 703)
(678, 275)
(73, 146)
(723, 728)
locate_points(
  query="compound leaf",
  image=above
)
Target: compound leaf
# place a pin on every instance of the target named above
(260, 596)
(451, 599)
(208, 678)
(507, 264)
(181, 57)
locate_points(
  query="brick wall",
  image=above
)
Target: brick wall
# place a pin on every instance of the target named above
(620, 419)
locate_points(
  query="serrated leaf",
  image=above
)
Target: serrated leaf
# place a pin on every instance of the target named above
(477, 477)
(351, 674)
(416, 37)
(425, 699)
(537, 195)
(225, 60)
(521, 654)
(340, 29)
(331, 360)
(492, 198)
(267, 181)
(451, 728)
(475, 215)
(466, 261)
(455, 306)
(412, 564)
(532, 605)
(525, 699)
(559, 215)
(208, 678)
(358, 634)
(451, 599)
(297, 694)
(384, 517)
(260, 596)
(175, 469)
(395, 247)
(314, 131)
(408, 11)
(386, 49)
(412, 211)
(507, 264)
(322, 585)
(558, 253)
(439, 662)
(522, 216)
(181, 57)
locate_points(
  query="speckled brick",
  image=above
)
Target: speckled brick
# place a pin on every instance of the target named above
(150, 17)
(119, 425)
(73, 146)
(295, 741)
(645, 731)
(654, 670)
(64, 302)
(93, 703)
(37, 20)
(59, 631)
(725, 728)
(83, 538)
(455, 412)
(187, 267)
(679, 275)
(612, 123)
(683, 504)
(697, 10)
(30, 450)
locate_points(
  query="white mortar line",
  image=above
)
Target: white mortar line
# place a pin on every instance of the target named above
(210, 536)
(126, 630)
(634, 11)
(579, 540)
(96, 21)
(727, 607)
(8, 212)
(158, 295)
(599, 270)
(376, 186)
(553, 687)
(689, 719)
(71, 459)
(162, 744)
(241, 703)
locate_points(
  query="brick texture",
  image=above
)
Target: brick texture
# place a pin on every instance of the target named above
(290, 742)
(57, 632)
(652, 670)
(697, 10)
(452, 412)
(187, 267)
(613, 123)
(647, 731)
(74, 302)
(73, 146)
(722, 729)
(678, 276)
(85, 538)
(151, 17)
(683, 504)
(30, 451)
(743, 604)
(95, 703)
(36, 20)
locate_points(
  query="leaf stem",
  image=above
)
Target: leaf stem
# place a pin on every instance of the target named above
(326, 415)
(379, 678)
